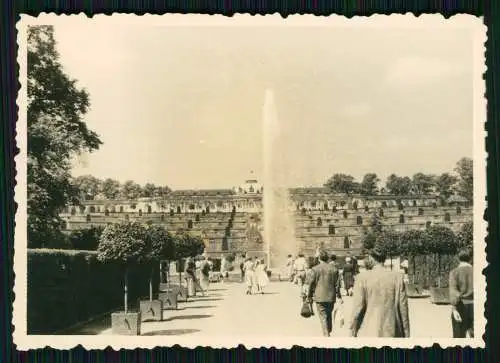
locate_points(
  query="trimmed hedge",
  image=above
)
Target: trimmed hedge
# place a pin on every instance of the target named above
(67, 287)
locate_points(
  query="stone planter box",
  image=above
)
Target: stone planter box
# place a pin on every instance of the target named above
(126, 323)
(440, 295)
(151, 310)
(169, 300)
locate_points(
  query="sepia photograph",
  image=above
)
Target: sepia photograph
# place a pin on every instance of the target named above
(217, 181)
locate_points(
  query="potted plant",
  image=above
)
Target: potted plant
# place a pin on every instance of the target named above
(123, 243)
(413, 245)
(442, 242)
(158, 245)
(390, 242)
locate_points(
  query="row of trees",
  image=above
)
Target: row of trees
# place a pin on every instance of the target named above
(132, 243)
(435, 240)
(444, 185)
(90, 187)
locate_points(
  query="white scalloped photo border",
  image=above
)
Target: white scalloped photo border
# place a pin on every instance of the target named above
(437, 21)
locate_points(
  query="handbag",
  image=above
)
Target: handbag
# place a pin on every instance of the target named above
(338, 317)
(306, 311)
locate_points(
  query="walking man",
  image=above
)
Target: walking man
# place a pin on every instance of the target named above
(324, 288)
(380, 304)
(461, 297)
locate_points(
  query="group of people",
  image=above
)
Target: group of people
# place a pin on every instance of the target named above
(255, 274)
(197, 275)
(379, 299)
(298, 269)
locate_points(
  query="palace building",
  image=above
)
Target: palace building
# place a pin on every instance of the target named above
(231, 220)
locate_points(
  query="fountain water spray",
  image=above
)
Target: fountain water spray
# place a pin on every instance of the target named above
(279, 227)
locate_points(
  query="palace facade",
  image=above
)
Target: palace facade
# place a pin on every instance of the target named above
(230, 220)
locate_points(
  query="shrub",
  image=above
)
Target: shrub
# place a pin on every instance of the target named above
(465, 236)
(67, 287)
(442, 242)
(125, 244)
(389, 242)
(369, 240)
(85, 239)
(159, 245)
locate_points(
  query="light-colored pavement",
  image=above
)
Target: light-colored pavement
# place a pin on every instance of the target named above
(227, 310)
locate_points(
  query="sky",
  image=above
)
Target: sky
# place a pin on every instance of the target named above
(182, 106)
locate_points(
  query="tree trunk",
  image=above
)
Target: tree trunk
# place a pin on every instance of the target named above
(414, 268)
(180, 273)
(168, 273)
(125, 289)
(439, 270)
(151, 285)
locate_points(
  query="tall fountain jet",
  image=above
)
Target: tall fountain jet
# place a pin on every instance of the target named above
(279, 231)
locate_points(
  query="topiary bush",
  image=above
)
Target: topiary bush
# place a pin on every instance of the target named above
(124, 244)
(442, 242)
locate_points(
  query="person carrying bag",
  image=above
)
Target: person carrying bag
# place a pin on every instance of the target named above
(307, 310)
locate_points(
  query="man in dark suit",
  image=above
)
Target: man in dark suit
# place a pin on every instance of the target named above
(461, 297)
(324, 288)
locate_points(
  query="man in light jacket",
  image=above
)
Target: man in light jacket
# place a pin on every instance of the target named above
(380, 303)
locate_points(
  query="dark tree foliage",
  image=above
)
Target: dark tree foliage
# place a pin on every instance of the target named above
(369, 184)
(342, 183)
(465, 236)
(465, 171)
(56, 133)
(85, 239)
(124, 242)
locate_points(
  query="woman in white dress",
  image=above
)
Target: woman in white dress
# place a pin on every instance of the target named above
(248, 267)
(261, 278)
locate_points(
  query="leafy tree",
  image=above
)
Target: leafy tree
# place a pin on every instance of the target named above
(88, 186)
(389, 242)
(413, 244)
(369, 184)
(441, 240)
(444, 185)
(423, 183)
(369, 240)
(125, 244)
(110, 188)
(130, 190)
(465, 171)
(86, 239)
(342, 183)
(465, 236)
(376, 223)
(56, 133)
(397, 185)
(149, 190)
(187, 245)
(159, 244)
